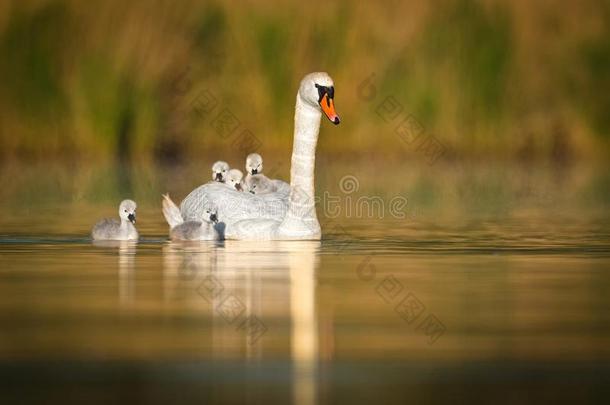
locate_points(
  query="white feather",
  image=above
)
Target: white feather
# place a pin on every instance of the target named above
(171, 212)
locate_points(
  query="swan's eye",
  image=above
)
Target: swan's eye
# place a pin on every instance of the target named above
(125, 210)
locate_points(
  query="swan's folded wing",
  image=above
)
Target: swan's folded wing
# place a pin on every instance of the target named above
(234, 206)
(193, 205)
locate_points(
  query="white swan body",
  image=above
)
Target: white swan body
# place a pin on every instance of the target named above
(233, 205)
(288, 213)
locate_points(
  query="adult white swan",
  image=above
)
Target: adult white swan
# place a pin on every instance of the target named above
(288, 213)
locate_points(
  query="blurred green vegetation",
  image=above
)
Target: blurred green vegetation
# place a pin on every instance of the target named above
(117, 80)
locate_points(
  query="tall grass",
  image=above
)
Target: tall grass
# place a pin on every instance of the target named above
(116, 80)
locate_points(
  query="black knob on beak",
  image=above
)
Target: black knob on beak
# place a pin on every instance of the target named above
(132, 218)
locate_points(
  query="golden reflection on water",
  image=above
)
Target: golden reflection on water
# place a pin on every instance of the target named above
(126, 254)
(234, 273)
(520, 282)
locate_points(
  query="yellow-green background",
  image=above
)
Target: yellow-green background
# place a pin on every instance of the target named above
(489, 79)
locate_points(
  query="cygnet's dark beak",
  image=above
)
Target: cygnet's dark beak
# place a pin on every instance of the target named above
(218, 177)
(254, 171)
(132, 218)
(251, 191)
(214, 218)
(238, 186)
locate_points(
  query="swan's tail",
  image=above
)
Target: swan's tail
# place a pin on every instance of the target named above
(171, 212)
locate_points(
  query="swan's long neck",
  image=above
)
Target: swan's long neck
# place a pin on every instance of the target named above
(301, 219)
(306, 130)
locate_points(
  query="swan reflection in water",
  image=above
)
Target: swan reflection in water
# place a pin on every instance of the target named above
(249, 289)
(127, 253)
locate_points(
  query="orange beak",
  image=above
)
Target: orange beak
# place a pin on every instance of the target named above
(328, 106)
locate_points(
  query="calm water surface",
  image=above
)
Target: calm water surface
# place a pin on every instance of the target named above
(494, 283)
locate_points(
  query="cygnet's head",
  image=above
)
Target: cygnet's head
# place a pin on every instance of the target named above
(254, 163)
(258, 184)
(318, 90)
(219, 171)
(210, 214)
(234, 178)
(127, 210)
